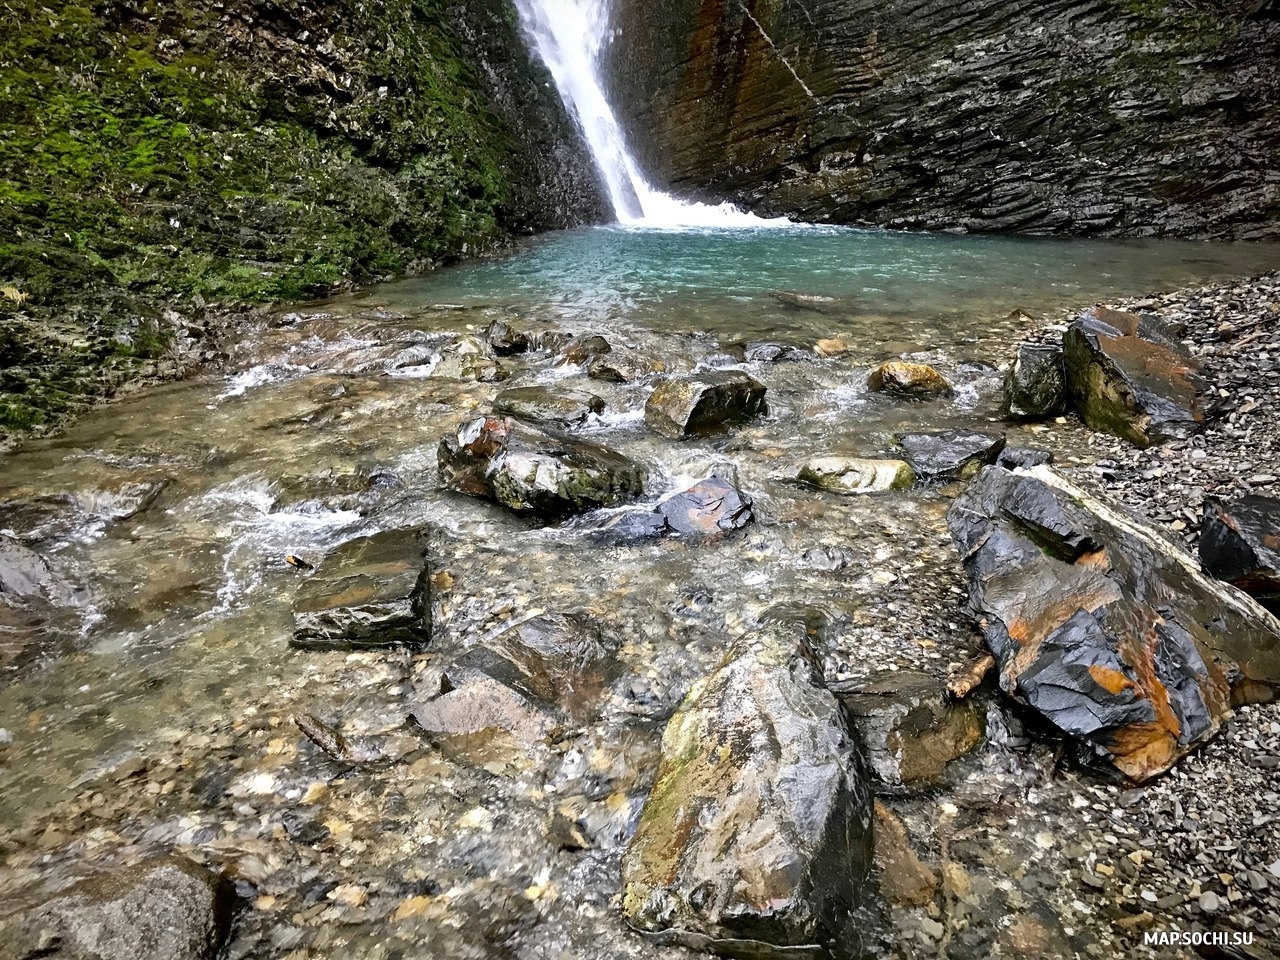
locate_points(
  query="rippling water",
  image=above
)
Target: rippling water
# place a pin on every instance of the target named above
(326, 428)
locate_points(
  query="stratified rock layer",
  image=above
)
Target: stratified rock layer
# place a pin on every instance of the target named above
(1036, 385)
(1240, 543)
(757, 831)
(1102, 625)
(1068, 116)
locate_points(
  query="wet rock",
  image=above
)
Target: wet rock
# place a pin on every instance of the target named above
(1036, 385)
(1103, 626)
(1013, 458)
(373, 591)
(335, 744)
(1240, 543)
(913, 380)
(624, 366)
(729, 355)
(815, 302)
(703, 403)
(910, 730)
(950, 454)
(854, 475)
(905, 880)
(757, 833)
(550, 341)
(580, 350)
(37, 608)
(164, 909)
(628, 526)
(535, 473)
(23, 572)
(470, 366)
(709, 507)
(547, 405)
(769, 351)
(505, 340)
(1129, 377)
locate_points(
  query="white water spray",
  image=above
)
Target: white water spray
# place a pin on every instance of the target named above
(569, 36)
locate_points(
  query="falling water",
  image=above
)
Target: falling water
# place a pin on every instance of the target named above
(569, 36)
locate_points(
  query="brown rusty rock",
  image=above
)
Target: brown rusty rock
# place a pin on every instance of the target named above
(913, 380)
(710, 507)
(905, 879)
(1102, 625)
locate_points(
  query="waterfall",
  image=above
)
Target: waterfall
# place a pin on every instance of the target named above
(569, 36)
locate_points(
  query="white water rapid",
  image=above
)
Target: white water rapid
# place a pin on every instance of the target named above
(569, 36)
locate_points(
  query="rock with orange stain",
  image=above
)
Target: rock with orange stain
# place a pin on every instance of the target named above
(1129, 376)
(757, 833)
(1240, 543)
(1104, 626)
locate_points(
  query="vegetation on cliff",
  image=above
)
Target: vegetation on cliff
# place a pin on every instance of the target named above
(157, 158)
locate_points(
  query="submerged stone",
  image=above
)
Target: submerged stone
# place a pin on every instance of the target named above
(163, 909)
(1129, 377)
(1037, 382)
(535, 473)
(757, 833)
(1240, 543)
(709, 507)
(950, 454)
(704, 403)
(373, 591)
(547, 405)
(1102, 625)
(855, 475)
(912, 380)
(769, 351)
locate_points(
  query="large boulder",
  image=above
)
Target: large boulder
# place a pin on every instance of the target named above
(757, 833)
(163, 909)
(1240, 543)
(943, 455)
(534, 473)
(1102, 625)
(1129, 377)
(505, 340)
(709, 507)
(1036, 385)
(855, 475)
(703, 403)
(547, 405)
(372, 591)
(915, 381)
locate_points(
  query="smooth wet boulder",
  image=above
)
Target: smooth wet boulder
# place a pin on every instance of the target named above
(910, 729)
(163, 909)
(372, 591)
(704, 403)
(505, 340)
(709, 507)
(1036, 385)
(916, 381)
(624, 366)
(856, 475)
(1240, 543)
(757, 833)
(1102, 625)
(943, 455)
(1129, 376)
(582, 350)
(469, 366)
(770, 351)
(534, 473)
(551, 406)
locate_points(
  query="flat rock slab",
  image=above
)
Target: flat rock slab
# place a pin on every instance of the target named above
(709, 507)
(548, 405)
(534, 473)
(1129, 376)
(1036, 386)
(1240, 543)
(950, 454)
(757, 834)
(856, 475)
(704, 403)
(373, 591)
(165, 909)
(1102, 625)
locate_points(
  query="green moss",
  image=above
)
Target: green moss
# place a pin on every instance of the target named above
(163, 154)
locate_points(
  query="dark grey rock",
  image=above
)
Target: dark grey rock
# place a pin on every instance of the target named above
(1129, 377)
(534, 473)
(581, 350)
(165, 909)
(703, 403)
(950, 454)
(1102, 625)
(551, 406)
(373, 591)
(1240, 543)
(624, 366)
(505, 340)
(1036, 386)
(757, 833)
(1012, 458)
(710, 507)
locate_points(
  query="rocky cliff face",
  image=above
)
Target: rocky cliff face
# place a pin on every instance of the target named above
(160, 157)
(1104, 117)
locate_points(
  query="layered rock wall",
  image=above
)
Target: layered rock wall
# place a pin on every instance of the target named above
(1102, 117)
